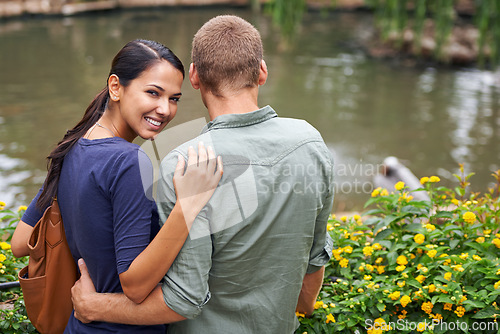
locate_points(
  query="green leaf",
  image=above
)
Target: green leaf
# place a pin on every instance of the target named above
(444, 214)
(454, 243)
(383, 234)
(474, 303)
(380, 307)
(485, 313)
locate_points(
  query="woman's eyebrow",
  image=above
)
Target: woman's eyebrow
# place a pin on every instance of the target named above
(159, 87)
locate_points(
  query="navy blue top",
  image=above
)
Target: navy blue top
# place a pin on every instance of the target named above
(108, 217)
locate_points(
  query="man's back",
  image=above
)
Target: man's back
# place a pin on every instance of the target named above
(242, 267)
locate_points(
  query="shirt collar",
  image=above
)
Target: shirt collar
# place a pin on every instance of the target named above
(240, 120)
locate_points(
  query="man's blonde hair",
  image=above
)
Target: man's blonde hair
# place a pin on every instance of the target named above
(227, 52)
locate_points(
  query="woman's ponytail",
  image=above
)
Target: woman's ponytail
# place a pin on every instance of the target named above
(56, 157)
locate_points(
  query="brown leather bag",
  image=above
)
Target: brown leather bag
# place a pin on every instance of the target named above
(51, 272)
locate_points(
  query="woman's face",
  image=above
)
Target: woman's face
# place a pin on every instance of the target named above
(149, 102)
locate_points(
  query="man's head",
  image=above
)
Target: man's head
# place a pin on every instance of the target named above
(227, 54)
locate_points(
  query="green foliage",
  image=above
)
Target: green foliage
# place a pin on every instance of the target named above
(13, 318)
(409, 263)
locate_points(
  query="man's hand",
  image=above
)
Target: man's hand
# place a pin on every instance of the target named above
(83, 295)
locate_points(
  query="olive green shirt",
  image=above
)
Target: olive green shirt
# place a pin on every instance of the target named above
(242, 267)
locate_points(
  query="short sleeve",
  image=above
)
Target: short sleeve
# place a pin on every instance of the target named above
(185, 286)
(321, 250)
(32, 214)
(133, 212)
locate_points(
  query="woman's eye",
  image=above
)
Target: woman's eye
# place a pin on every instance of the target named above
(175, 99)
(152, 92)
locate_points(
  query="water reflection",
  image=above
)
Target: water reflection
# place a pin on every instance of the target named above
(365, 109)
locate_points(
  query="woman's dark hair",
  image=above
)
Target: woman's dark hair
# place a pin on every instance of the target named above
(131, 61)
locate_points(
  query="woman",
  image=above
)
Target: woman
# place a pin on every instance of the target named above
(94, 171)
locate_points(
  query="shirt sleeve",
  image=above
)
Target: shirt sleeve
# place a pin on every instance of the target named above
(133, 212)
(32, 214)
(185, 286)
(321, 250)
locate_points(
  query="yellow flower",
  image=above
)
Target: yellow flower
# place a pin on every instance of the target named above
(424, 180)
(2, 203)
(400, 268)
(464, 298)
(318, 304)
(434, 179)
(343, 218)
(370, 268)
(401, 284)
(356, 217)
(447, 306)
(427, 307)
(377, 246)
(344, 263)
(400, 185)
(405, 300)
(367, 277)
(496, 285)
(476, 257)
(421, 326)
(368, 250)
(376, 192)
(438, 316)
(432, 253)
(420, 278)
(460, 311)
(455, 201)
(361, 268)
(330, 318)
(480, 240)
(432, 288)
(496, 242)
(384, 192)
(2, 258)
(329, 227)
(402, 260)
(336, 254)
(469, 217)
(430, 227)
(22, 208)
(379, 260)
(361, 290)
(4, 245)
(348, 249)
(419, 238)
(395, 295)
(447, 276)
(298, 314)
(464, 256)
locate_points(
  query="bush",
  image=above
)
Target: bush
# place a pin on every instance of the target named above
(414, 266)
(13, 318)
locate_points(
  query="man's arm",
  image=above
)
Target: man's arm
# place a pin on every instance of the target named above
(116, 307)
(311, 285)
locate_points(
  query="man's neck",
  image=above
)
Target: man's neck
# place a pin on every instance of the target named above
(239, 103)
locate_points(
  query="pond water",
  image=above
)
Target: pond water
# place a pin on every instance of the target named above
(366, 109)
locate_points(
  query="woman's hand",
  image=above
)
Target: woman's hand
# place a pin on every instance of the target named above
(197, 183)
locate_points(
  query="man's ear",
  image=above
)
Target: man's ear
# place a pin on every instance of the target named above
(262, 73)
(193, 77)
(114, 87)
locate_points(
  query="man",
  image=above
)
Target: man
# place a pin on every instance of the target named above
(256, 253)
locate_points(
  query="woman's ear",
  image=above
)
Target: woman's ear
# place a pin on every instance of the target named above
(193, 77)
(114, 87)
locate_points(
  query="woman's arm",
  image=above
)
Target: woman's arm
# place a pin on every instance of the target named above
(19, 242)
(194, 187)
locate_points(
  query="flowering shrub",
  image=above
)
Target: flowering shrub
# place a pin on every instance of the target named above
(414, 266)
(13, 318)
